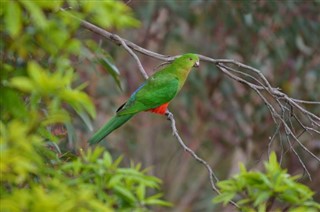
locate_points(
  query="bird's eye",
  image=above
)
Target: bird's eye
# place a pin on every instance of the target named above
(190, 59)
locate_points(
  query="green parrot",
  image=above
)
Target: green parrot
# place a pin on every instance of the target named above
(153, 95)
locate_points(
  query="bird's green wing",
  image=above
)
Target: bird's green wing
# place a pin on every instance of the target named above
(157, 90)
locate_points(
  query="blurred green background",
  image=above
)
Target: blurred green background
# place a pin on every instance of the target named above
(220, 119)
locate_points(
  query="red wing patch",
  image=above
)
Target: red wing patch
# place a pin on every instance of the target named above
(160, 110)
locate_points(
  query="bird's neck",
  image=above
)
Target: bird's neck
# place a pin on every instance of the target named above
(182, 75)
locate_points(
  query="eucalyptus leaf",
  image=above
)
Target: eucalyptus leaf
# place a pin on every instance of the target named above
(86, 119)
(125, 193)
(111, 69)
(13, 22)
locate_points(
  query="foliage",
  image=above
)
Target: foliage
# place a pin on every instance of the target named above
(41, 93)
(51, 184)
(275, 190)
(218, 117)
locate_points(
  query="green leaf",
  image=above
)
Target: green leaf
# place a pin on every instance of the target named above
(86, 119)
(92, 155)
(36, 13)
(224, 197)
(126, 193)
(141, 192)
(114, 180)
(262, 197)
(71, 133)
(290, 196)
(156, 196)
(262, 207)
(12, 104)
(265, 180)
(78, 100)
(242, 168)
(303, 190)
(60, 116)
(240, 182)
(54, 5)
(244, 201)
(272, 165)
(111, 69)
(312, 204)
(227, 185)
(157, 202)
(303, 209)
(23, 84)
(13, 21)
(107, 159)
(117, 161)
(253, 178)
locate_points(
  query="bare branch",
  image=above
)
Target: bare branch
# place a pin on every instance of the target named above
(275, 91)
(193, 154)
(282, 108)
(113, 38)
(143, 72)
(305, 102)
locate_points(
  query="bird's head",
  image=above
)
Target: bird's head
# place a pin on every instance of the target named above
(189, 60)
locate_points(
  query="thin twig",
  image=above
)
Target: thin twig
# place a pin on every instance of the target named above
(260, 84)
(143, 72)
(194, 155)
(187, 149)
(275, 115)
(305, 102)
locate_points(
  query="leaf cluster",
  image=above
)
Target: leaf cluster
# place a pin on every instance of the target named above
(273, 190)
(33, 177)
(40, 91)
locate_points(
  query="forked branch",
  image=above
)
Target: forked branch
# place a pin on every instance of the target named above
(282, 108)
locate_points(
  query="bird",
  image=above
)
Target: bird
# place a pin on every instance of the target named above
(153, 95)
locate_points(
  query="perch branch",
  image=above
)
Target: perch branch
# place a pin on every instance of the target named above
(250, 77)
(194, 155)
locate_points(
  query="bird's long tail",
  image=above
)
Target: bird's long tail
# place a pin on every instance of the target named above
(115, 122)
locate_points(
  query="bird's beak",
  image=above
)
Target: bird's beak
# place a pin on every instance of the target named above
(197, 64)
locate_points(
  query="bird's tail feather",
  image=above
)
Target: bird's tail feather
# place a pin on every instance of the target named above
(115, 122)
